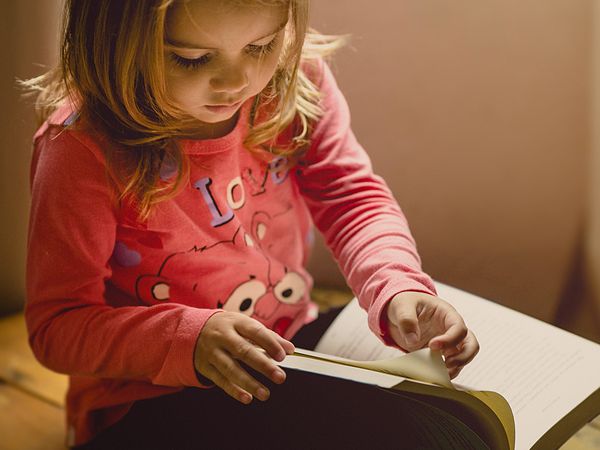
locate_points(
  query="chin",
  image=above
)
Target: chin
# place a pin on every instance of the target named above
(215, 118)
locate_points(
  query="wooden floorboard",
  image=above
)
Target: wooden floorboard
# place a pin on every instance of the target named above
(29, 423)
(19, 367)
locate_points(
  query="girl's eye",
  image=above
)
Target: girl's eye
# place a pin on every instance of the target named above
(261, 50)
(253, 50)
(190, 64)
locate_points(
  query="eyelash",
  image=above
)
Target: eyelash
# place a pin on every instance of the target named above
(253, 50)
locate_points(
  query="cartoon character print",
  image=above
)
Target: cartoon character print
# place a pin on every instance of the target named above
(289, 287)
(262, 289)
(243, 274)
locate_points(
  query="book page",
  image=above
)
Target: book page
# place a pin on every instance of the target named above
(544, 372)
(424, 365)
(351, 373)
(350, 337)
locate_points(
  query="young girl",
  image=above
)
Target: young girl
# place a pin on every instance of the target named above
(186, 148)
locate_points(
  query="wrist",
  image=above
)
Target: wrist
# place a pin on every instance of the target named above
(204, 381)
(385, 323)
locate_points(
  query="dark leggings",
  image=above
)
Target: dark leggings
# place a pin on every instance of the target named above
(308, 411)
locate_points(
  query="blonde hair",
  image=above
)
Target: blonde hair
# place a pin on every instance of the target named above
(112, 68)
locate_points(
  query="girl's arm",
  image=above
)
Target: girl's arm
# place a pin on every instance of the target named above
(71, 238)
(354, 209)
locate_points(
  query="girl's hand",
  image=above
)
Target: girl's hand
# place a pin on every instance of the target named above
(229, 337)
(417, 319)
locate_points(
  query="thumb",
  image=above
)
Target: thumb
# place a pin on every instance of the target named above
(405, 325)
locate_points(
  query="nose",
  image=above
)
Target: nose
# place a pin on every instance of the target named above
(230, 79)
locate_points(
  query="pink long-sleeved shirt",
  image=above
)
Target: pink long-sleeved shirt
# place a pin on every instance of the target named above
(118, 304)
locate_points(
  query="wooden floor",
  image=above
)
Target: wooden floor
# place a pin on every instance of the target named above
(32, 397)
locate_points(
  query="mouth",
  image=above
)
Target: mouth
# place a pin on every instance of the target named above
(223, 109)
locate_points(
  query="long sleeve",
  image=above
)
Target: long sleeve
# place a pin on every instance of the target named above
(71, 326)
(353, 208)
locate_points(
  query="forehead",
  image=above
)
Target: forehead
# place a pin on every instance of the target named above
(223, 23)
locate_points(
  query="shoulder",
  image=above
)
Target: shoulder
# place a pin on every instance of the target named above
(63, 148)
(334, 113)
(65, 134)
(313, 68)
(318, 72)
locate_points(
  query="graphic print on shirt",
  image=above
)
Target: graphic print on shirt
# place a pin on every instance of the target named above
(262, 288)
(234, 274)
(257, 183)
(235, 191)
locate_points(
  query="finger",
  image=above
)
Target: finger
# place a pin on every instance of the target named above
(244, 351)
(454, 372)
(288, 346)
(469, 351)
(464, 357)
(236, 375)
(451, 351)
(453, 336)
(228, 387)
(404, 317)
(263, 337)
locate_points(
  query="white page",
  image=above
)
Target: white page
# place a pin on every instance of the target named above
(541, 370)
(350, 337)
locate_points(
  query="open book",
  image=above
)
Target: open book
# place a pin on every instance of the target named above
(532, 385)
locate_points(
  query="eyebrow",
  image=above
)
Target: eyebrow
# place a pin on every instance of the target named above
(190, 46)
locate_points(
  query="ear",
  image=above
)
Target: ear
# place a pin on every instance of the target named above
(151, 289)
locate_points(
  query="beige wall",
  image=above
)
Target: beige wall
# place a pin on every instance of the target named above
(28, 34)
(476, 113)
(592, 243)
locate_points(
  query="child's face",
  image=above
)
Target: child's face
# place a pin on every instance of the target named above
(220, 53)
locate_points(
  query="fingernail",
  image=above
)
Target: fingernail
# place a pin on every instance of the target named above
(262, 394)
(246, 398)
(282, 352)
(279, 376)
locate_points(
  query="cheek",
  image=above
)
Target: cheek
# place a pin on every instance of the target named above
(266, 69)
(264, 72)
(186, 90)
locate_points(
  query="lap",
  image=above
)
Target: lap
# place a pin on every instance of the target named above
(308, 411)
